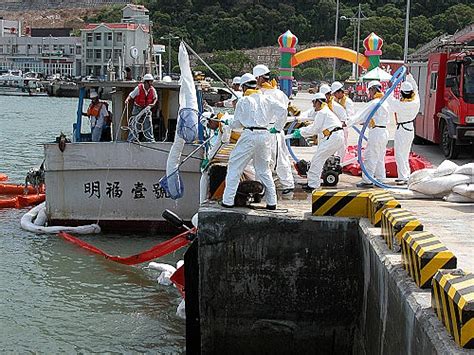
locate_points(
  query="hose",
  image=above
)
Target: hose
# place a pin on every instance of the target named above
(395, 80)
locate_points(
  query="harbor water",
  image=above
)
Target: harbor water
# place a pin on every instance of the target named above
(55, 297)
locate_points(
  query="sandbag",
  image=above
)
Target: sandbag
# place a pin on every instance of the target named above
(440, 185)
(454, 197)
(466, 190)
(466, 169)
(420, 175)
(181, 310)
(41, 218)
(447, 167)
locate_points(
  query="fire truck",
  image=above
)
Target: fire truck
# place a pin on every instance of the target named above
(444, 71)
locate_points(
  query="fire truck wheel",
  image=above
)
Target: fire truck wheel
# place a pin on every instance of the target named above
(448, 144)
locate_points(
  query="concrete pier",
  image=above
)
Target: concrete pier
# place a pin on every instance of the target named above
(261, 282)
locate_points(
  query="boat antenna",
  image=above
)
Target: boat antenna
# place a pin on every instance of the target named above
(210, 69)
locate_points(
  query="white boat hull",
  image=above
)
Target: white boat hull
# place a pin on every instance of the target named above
(115, 184)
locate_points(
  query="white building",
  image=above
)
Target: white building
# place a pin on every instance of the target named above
(47, 55)
(10, 28)
(124, 44)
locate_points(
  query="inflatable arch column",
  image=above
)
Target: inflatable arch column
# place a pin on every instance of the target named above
(287, 42)
(373, 45)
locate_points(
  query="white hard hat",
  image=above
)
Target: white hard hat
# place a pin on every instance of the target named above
(406, 87)
(247, 80)
(319, 96)
(336, 86)
(148, 77)
(260, 70)
(236, 80)
(374, 83)
(93, 95)
(167, 79)
(324, 89)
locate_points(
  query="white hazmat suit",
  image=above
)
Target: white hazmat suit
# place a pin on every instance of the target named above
(324, 120)
(348, 105)
(377, 139)
(405, 111)
(253, 113)
(341, 113)
(280, 154)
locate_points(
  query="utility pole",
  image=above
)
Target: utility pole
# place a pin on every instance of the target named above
(169, 38)
(358, 44)
(335, 40)
(407, 30)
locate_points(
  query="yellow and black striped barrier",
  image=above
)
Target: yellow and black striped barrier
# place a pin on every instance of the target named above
(378, 201)
(395, 223)
(453, 301)
(423, 254)
(351, 203)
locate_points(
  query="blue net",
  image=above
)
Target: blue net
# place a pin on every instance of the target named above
(187, 127)
(173, 185)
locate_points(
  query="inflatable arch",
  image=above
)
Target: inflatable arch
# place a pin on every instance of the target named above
(290, 59)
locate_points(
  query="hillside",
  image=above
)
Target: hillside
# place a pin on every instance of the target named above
(225, 24)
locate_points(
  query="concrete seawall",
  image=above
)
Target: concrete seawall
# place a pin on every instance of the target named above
(259, 282)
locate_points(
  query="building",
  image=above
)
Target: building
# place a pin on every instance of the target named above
(9, 28)
(48, 55)
(117, 45)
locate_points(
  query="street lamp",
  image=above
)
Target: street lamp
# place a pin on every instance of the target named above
(169, 38)
(335, 40)
(359, 18)
(50, 50)
(407, 26)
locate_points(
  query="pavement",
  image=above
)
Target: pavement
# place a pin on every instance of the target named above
(453, 223)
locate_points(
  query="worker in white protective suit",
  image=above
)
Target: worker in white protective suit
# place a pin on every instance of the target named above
(280, 154)
(222, 134)
(338, 110)
(328, 127)
(230, 103)
(405, 111)
(253, 113)
(374, 157)
(337, 90)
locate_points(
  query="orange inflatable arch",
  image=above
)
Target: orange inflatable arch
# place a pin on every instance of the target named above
(329, 52)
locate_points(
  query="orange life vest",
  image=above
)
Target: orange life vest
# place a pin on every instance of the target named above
(143, 98)
(94, 110)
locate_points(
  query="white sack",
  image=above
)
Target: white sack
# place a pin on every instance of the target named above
(447, 167)
(466, 190)
(181, 311)
(466, 169)
(440, 185)
(454, 197)
(420, 175)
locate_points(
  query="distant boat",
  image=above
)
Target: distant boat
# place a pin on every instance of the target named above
(14, 84)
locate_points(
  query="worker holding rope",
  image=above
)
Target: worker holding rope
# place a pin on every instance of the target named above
(253, 113)
(280, 154)
(378, 134)
(144, 99)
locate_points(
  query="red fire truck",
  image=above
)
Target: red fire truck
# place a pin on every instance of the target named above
(444, 71)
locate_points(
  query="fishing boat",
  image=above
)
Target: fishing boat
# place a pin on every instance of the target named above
(14, 84)
(117, 183)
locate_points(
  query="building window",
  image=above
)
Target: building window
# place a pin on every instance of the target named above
(46, 47)
(89, 54)
(117, 54)
(40, 49)
(107, 54)
(72, 48)
(98, 36)
(78, 49)
(1, 49)
(98, 54)
(14, 48)
(119, 37)
(89, 38)
(109, 36)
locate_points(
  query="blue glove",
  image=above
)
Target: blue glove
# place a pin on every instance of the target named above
(297, 133)
(204, 163)
(226, 122)
(273, 130)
